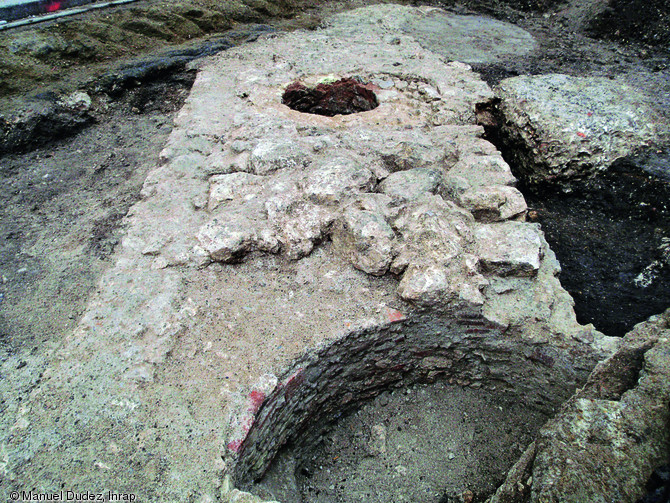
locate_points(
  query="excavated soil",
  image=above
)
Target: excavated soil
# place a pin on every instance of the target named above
(64, 200)
(606, 232)
(63, 208)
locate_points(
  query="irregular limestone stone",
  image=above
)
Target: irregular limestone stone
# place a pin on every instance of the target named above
(616, 424)
(509, 248)
(271, 155)
(493, 203)
(232, 186)
(223, 162)
(564, 127)
(366, 239)
(376, 203)
(337, 180)
(304, 225)
(477, 169)
(437, 237)
(231, 240)
(78, 100)
(408, 149)
(404, 186)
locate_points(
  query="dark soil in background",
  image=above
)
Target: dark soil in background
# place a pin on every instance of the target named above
(646, 21)
(62, 210)
(605, 232)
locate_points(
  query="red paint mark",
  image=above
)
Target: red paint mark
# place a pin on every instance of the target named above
(293, 382)
(589, 114)
(476, 330)
(256, 398)
(235, 445)
(296, 378)
(395, 316)
(246, 423)
(581, 135)
(53, 6)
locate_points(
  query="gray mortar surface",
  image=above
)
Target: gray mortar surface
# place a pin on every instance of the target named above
(235, 316)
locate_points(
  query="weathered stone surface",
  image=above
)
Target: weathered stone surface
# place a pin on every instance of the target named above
(236, 312)
(616, 424)
(477, 165)
(404, 186)
(231, 495)
(564, 127)
(436, 246)
(337, 180)
(493, 203)
(509, 248)
(471, 39)
(302, 227)
(232, 186)
(273, 154)
(231, 240)
(366, 239)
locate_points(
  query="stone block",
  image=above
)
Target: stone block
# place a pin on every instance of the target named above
(493, 203)
(366, 240)
(564, 127)
(509, 248)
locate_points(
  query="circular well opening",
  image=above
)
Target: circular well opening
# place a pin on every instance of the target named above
(343, 97)
(434, 410)
(429, 442)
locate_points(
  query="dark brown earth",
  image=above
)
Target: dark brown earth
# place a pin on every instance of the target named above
(67, 178)
(344, 97)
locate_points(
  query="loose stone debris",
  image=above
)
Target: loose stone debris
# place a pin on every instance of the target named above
(282, 267)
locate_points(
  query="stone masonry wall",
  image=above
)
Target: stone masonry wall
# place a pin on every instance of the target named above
(466, 351)
(282, 266)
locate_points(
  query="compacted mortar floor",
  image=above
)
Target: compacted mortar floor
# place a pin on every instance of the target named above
(429, 443)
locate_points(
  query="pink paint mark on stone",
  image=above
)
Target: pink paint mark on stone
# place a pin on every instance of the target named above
(235, 445)
(256, 399)
(246, 420)
(394, 316)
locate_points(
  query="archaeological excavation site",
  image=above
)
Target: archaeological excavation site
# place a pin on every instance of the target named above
(337, 279)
